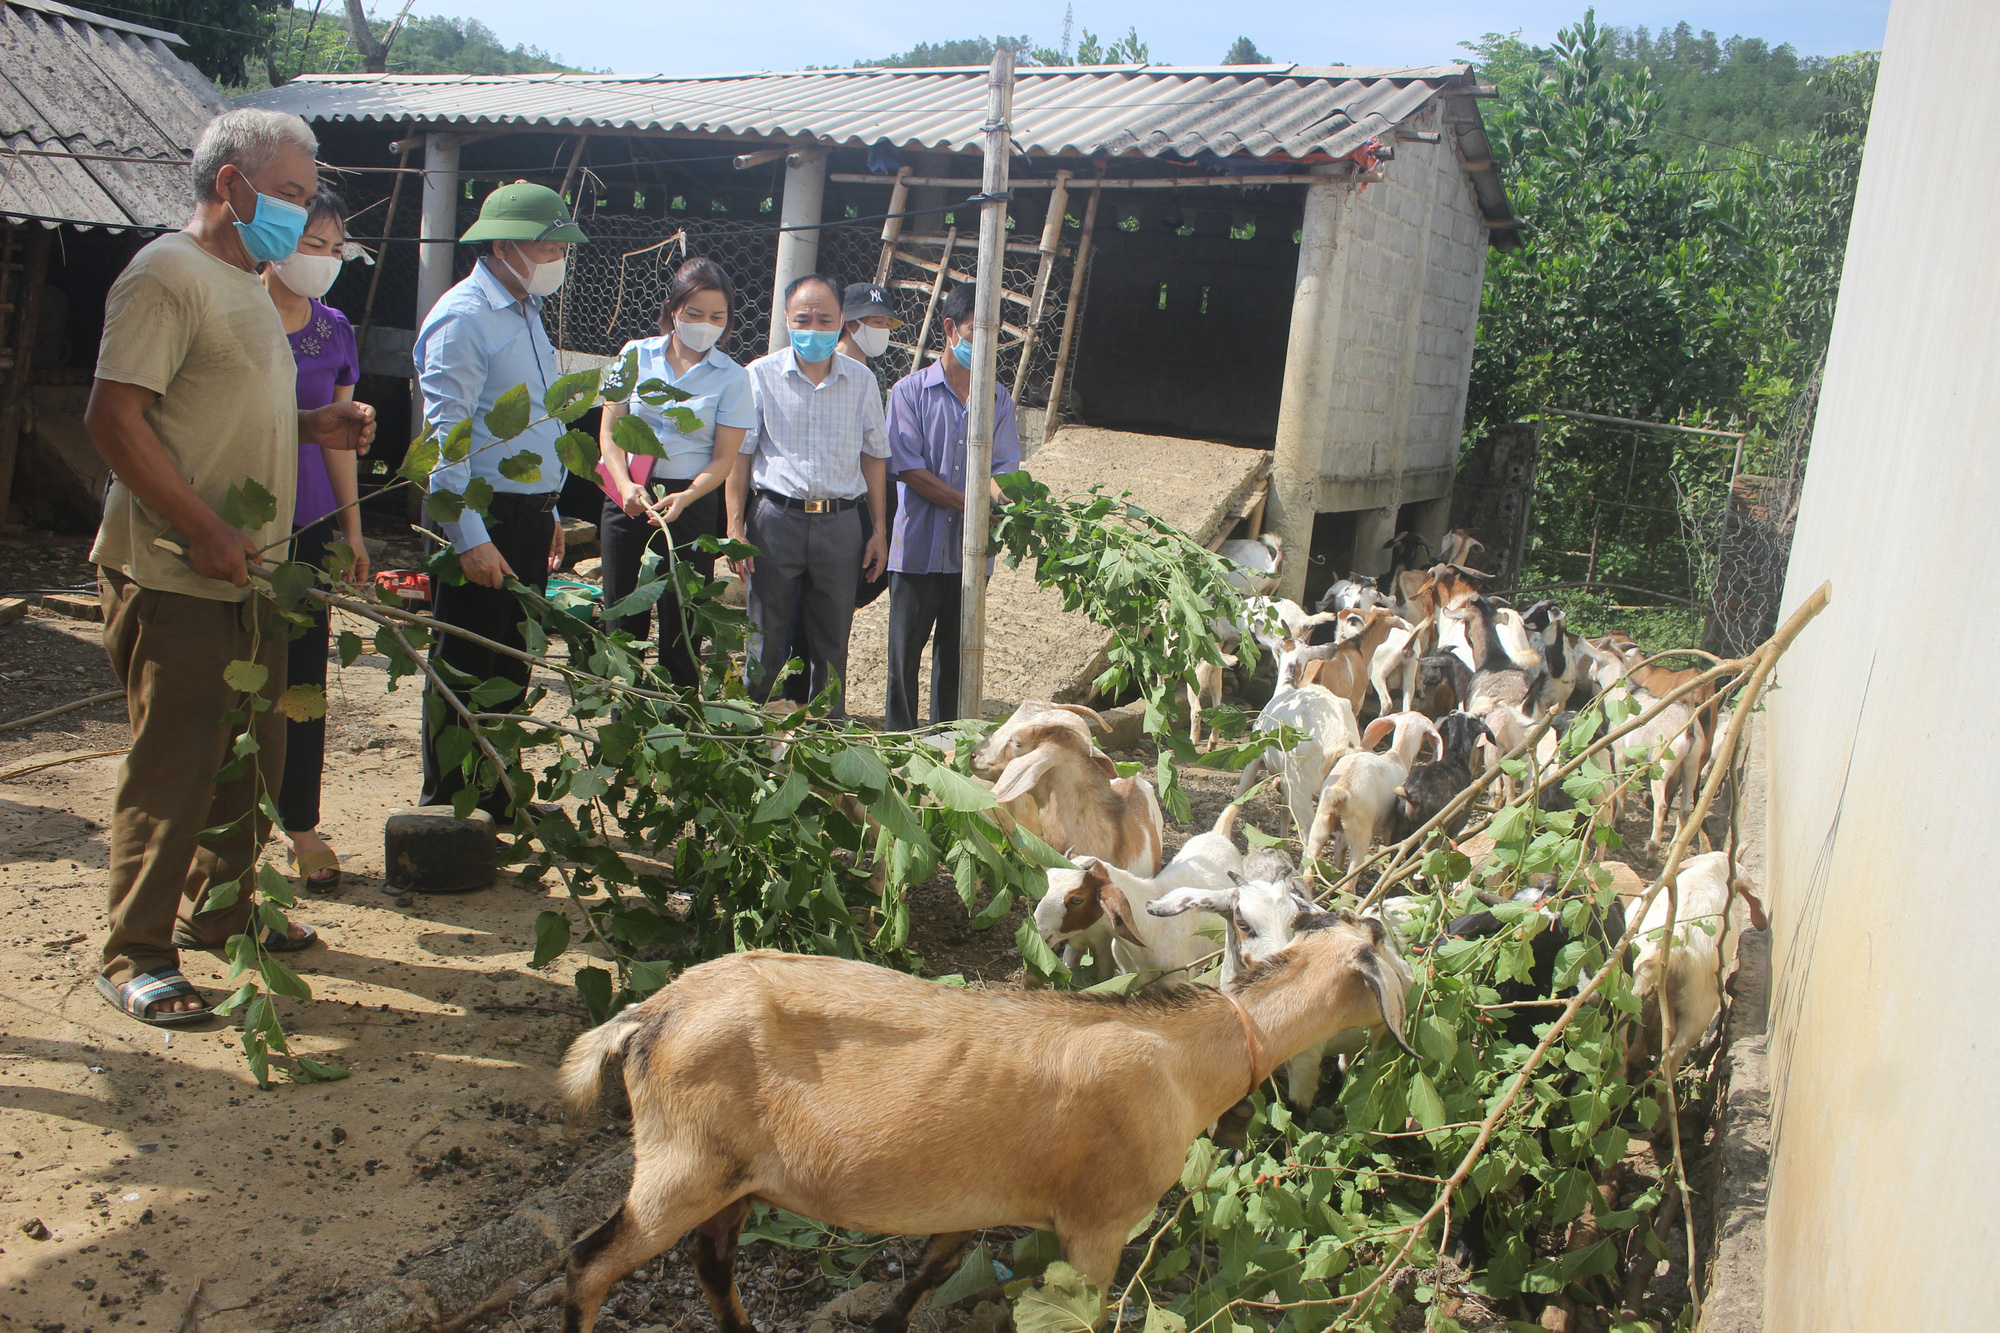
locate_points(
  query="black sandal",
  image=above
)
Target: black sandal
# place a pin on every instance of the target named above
(135, 998)
(272, 942)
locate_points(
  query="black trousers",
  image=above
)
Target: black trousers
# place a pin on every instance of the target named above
(923, 608)
(305, 742)
(624, 540)
(522, 531)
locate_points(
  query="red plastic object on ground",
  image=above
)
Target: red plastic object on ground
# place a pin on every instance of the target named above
(409, 584)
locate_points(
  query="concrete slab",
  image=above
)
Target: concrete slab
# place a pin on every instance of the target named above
(1034, 649)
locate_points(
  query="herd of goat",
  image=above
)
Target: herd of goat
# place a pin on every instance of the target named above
(864, 1098)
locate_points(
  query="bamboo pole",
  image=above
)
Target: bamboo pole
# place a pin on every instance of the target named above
(930, 307)
(1076, 277)
(892, 226)
(388, 221)
(985, 372)
(1052, 227)
(27, 320)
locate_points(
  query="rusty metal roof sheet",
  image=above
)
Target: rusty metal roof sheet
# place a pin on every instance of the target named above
(1276, 112)
(75, 82)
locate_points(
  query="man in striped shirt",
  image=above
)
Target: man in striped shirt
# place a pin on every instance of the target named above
(818, 451)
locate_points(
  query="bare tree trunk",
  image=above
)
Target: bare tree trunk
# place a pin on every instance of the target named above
(374, 53)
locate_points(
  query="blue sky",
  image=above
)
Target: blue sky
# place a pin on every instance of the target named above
(643, 36)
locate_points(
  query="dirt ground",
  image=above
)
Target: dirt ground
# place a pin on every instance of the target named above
(139, 1164)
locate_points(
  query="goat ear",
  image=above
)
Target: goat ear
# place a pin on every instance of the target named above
(1104, 764)
(1218, 901)
(1389, 996)
(1380, 727)
(1021, 775)
(1119, 908)
(1091, 715)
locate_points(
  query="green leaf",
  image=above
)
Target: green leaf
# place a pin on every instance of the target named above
(955, 791)
(1437, 1040)
(478, 495)
(221, 897)
(491, 693)
(551, 938)
(1425, 1104)
(524, 467)
(593, 984)
(578, 453)
(249, 677)
(350, 647)
(303, 703)
(444, 506)
(509, 414)
(975, 1274)
(857, 768)
(243, 993)
(895, 815)
(283, 981)
(782, 802)
(1256, 837)
(1064, 1303)
(1160, 1320)
(639, 599)
(308, 1070)
(420, 459)
(572, 395)
(636, 437)
(1036, 953)
(457, 442)
(248, 505)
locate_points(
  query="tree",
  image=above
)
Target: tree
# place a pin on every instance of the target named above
(1243, 51)
(963, 51)
(225, 38)
(1126, 50)
(374, 50)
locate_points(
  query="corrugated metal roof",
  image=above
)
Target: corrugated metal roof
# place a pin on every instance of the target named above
(71, 81)
(1264, 111)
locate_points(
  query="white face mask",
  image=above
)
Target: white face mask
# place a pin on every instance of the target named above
(871, 340)
(308, 275)
(540, 279)
(697, 337)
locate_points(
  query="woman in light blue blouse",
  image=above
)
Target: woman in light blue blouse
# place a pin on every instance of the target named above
(679, 494)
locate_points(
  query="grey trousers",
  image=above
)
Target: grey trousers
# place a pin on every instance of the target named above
(923, 608)
(808, 561)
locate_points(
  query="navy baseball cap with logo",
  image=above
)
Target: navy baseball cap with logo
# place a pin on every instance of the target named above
(863, 300)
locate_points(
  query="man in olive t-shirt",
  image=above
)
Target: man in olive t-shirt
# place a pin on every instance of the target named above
(195, 394)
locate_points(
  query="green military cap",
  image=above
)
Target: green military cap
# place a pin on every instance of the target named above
(524, 212)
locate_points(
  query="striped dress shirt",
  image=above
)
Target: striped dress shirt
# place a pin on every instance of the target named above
(809, 438)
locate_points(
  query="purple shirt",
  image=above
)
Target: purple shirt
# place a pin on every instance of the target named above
(927, 430)
(327, 360)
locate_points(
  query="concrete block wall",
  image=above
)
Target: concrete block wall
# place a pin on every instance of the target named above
(1410, 307)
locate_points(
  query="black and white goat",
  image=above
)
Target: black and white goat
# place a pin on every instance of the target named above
(1431, 787)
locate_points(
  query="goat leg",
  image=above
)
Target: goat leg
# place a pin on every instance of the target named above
(941, 1259)
(714, 1255)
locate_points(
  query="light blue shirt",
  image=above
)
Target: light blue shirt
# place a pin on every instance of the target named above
(478, 342)
(722, 397)
(809, 438)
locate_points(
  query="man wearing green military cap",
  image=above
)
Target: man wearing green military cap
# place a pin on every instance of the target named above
(482, 338)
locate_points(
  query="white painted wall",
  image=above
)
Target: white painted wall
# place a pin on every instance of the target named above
(1885, 739)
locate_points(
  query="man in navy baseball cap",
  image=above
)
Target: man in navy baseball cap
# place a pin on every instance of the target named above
(868, 314)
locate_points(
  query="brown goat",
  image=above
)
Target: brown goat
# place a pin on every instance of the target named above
(865, 1098)
(1049, 775)
(1345, 671)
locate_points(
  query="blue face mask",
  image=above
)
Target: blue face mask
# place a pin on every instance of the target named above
(962, 349)
(814, 346)
(273, 231)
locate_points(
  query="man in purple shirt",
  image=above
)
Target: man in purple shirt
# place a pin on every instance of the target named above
(927, 423)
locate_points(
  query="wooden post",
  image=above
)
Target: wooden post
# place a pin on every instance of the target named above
(985, 368)
(930, 309)
(892, 226)
(1305, 407)
(1054, 407)
(382, 255)
(1052, 227)
(27, 320)
(569, 176)
(437, 234)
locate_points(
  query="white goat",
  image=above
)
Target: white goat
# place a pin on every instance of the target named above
(1713, 912)
(1078, 899)
(1360, 796)
(1670, 740)
(861, 1097)
(1259, 564)
(1330, 732)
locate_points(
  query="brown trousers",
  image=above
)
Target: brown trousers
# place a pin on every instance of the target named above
(169, 651)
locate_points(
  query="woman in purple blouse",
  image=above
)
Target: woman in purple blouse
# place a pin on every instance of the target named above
(323, 345)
